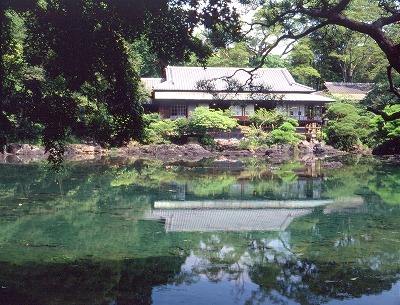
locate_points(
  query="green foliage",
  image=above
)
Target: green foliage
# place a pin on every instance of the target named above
(204, 119)
(267, 119)
(285, 134)
(81, 61)
(347, 129)
(183, 126)
(237, 55)
(273, 61)
(301, 65)
(284, 131)
(344, 33)
(386, 130)
(145, 58)
(157, 131)
(379, 97)
(253, 138)
(346, 56)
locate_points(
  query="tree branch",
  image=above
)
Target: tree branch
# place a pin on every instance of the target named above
(381, 22)
(387, 8)
(392, 87)
(384, 115)
(290, 36)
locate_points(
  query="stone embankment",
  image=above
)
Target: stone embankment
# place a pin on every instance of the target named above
(224, 151)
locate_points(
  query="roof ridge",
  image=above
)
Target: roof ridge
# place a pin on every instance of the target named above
(350, 83)
(288, 76)
(230, 68)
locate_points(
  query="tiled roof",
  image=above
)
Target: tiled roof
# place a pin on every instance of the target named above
(348, 88)
(188, 78)
(150, 83)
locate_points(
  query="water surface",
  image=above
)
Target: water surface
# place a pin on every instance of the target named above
(123, 231)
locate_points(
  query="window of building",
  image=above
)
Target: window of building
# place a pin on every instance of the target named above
(313, 111)
(178, 111)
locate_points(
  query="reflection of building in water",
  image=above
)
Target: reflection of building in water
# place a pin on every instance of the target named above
(231, 215)
(177, 190)
(300, 189)
(303, 188)
(195, 220)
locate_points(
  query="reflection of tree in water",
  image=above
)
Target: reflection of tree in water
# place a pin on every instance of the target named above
(342, 264)
(311, 283)
(284, 274)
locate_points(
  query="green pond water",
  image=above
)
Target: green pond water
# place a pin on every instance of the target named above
(120, 231)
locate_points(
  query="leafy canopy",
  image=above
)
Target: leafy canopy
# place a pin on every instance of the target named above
(378, 20)
(71, 68)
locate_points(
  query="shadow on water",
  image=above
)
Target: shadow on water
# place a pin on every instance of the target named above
(85, 281)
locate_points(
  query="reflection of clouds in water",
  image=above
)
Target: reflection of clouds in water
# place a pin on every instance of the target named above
(381, 260)
(282, 244)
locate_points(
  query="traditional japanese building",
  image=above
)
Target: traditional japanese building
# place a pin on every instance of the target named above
(243, 90)
(348, 91)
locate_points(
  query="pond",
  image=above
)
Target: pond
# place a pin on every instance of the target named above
(125, 231)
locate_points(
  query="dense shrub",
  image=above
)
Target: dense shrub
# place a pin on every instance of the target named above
(267, 119)
(157, 131)
(201, 120)
(285, 134)
(204, 119)
(347, 129)
(386, 131)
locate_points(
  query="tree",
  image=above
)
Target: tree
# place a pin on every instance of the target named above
(347, 129)
(379, 20)
(76, 71)
(285, 134)
(301, 65)
(201, 121)
(347, 56)
(237, 55)
(204, 119)
(264, 119)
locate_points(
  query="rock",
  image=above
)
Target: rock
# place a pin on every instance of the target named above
(279, 153)
(191, 152)
(331, 165)
(173, 152)
(306, 147)
(24, 149)
(84, 149)
(224, 144)
(322, 150)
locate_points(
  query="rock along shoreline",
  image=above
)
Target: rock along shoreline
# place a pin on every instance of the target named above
(192, 152)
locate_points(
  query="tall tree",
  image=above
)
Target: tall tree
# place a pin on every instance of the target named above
(82, 61)
(302, 65)
(347, 56)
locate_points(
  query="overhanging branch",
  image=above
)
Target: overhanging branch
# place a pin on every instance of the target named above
(290, 36)
(384, 115)
(392, 87)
